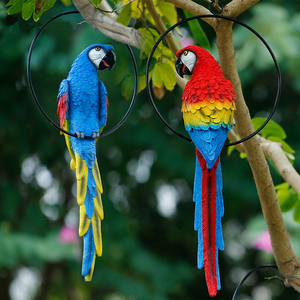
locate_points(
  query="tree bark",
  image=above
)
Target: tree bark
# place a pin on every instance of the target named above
(108, 26)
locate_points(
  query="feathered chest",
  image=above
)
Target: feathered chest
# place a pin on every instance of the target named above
(84, 90)
(208, 102)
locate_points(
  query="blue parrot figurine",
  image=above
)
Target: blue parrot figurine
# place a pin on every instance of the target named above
(82, 109)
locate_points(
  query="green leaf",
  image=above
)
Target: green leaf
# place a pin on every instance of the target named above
(50, 3)
(243, 155)
(12, 2)
(285, 146)
(283, 185)
(287, 196)
(230, 149)
(167, 11)
(297, 212)
(115, 1)
(126, 87)
(198, 32)
(151, 36)
(36, 17)
(163, 73)
(271, 128)
(66, 2)
(16, 6)
(142, 70)
(124, 15)
(28, 9)
(96, 2)
(40, 5)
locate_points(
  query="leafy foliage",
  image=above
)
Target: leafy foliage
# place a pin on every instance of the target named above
(275, 133)
(29, 8)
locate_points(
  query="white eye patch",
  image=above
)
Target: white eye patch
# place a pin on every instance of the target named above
(189, 59)
(96, 56)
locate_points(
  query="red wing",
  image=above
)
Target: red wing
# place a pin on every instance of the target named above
(62, 105)
(62, 108)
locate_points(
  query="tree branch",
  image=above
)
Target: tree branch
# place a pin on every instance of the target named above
(160, 25)
(194, 8)
(236, 7)
(286, 259)
(109, 27)
(274, 151)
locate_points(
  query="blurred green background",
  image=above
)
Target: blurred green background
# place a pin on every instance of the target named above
(147, 172)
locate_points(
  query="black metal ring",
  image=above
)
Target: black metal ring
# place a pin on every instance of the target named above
(38, 103)
(210, 9)
(235, 21)
(248, 274)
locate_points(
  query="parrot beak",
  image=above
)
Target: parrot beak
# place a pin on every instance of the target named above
(181, 68)
(108, 61)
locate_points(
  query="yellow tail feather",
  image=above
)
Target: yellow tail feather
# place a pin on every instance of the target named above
(96, 174)
(82, 179)
(96, 223)
(66, 126)
(84, 221)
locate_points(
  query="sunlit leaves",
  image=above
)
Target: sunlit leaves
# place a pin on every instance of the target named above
(167, 12)
(273, 132)
(151, 36)
(136, 8)
(164, 73)
(271, 129)
(124, 15)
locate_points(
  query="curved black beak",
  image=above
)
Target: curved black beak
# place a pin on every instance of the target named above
(181, 68)
(108, 61)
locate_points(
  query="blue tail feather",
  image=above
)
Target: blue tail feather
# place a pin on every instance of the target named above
(220, 209)
(90, 194)
(197, 198)
(88, 251)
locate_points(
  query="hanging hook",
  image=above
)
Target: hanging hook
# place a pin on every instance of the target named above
(217, 4)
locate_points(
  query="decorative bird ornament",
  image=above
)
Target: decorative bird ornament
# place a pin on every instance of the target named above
(82, 109)
(208, 104)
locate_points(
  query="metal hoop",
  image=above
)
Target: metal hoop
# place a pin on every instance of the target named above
(235, 21)
(38, 103)
(247, 275)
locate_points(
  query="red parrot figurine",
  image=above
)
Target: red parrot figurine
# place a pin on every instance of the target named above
(208, 104)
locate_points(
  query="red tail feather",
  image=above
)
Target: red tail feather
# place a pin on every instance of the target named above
(209, 195)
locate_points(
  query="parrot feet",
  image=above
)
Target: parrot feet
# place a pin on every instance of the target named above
(95, 135)
(80, 135)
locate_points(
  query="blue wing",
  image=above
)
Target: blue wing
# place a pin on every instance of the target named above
(103, 105)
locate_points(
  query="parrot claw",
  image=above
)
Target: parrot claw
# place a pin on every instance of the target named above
(80, 135)
(95, 135)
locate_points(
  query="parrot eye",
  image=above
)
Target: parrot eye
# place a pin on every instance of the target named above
(185, 53)
(97, 48)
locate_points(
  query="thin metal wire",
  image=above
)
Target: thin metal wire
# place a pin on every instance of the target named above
(38, 103)
(235, 21)
(247, 275)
